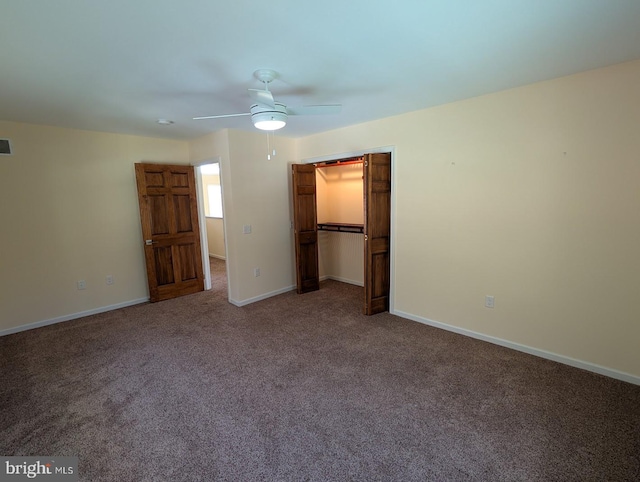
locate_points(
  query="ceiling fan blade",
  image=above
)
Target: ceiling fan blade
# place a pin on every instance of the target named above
(263, 97)
(221, 116)
(315, 109)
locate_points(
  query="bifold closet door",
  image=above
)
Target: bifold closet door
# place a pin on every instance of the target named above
(305, 227)
(377, 232)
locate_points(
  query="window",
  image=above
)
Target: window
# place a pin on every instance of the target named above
(215, 200)
(212, 190)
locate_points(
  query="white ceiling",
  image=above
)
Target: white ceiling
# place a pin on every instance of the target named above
(119, 65)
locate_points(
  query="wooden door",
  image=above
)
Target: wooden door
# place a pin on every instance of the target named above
(305, 227)
(377, 231)
(169, 214)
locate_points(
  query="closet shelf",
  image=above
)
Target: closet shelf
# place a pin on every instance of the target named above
(342, 227)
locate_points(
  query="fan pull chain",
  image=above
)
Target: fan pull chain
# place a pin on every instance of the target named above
(270, 152)
(273, 152)
(268, 148)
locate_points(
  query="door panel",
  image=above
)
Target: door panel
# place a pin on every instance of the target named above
(179, 179)
(154, 178)
(163, 265)
(187, 266)
(377, 229)
(160, 219)
(305, 227)
(169, 217)
(182, 206)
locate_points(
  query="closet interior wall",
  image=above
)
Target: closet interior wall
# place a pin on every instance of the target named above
(340, 200)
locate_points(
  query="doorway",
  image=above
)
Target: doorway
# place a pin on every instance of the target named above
(212, 222)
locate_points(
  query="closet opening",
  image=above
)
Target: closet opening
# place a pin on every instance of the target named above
(340, 220)
(342, 223)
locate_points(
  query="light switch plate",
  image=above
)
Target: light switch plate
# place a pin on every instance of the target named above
(489, 301)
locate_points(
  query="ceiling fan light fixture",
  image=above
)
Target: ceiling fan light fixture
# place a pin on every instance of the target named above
(269, 118)
(269, 124)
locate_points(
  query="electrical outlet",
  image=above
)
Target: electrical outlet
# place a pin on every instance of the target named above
(109, 279)
(489, 301)
(82, 284)
(256, 272)
(246, 229)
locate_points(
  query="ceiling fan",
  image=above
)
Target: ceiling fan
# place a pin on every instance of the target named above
(269, 115)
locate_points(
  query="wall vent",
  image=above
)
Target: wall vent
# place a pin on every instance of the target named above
(5, 147)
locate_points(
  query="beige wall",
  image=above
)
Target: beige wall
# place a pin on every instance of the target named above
(339, 194)
(531, 195)
(341, 257)
(69, 212)
(215, 237)
(256, 193)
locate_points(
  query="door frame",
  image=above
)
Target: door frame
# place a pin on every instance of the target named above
(202, 219)
(392, 248)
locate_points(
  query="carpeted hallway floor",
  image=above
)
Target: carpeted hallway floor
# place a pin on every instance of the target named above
(304, 388)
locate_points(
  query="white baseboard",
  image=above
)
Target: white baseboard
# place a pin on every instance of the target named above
(343, 280)
(211, 255)
(73, 316)
(608, 372)
(287, 289)
(262, 297)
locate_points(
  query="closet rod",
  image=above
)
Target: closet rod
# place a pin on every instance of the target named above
(341, 227)
(340, 162)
